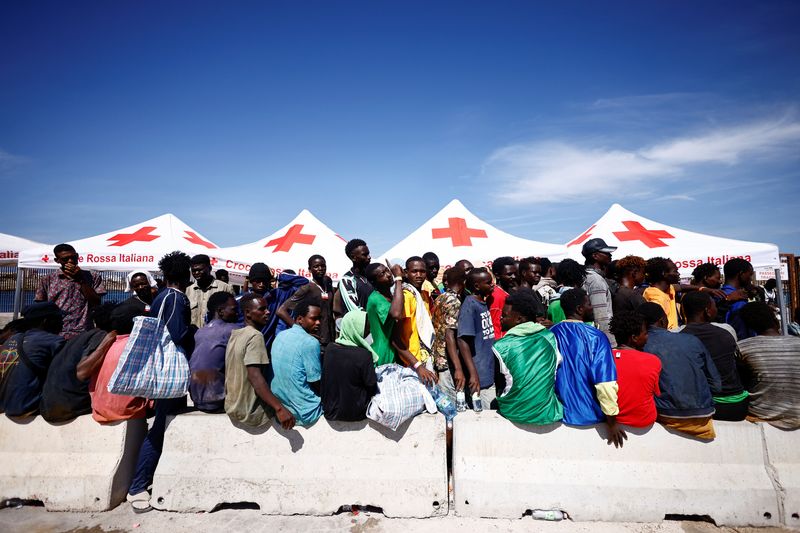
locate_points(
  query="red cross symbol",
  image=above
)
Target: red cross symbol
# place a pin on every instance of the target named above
(45, 258)
(214, 261)
(636, 232)
(141, 234)
(292, 237)
(458, 232)
(586, 234)
(194, 238)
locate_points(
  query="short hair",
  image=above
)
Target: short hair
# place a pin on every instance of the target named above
(201, 259)
(314, 258)
(703, 271)
(629, 263)
(656, 269)
(63, 248)
(736, 266)
(473, 276)
(175, 266)
(220, 272)
(570, 273)
(758, 316)
(545, 263)
(217, 300)
(770, 284)
(526, 264)
(303, 306)
(101, 315)
(652, 312)
(415, 258)
(625, 325)
(19, 325)
(430, 256)
(502, 262)
(247, 300)
(695, 302)
(572, 299)
(371, 272)
(524, 302)
(351, 245)
(122, 317)
(455, 274)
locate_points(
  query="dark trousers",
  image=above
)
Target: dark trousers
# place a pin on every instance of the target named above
(732, 412)
(150, 452)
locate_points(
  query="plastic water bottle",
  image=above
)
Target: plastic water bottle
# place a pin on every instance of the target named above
(461, 401)
(552, 515)
(443, 402)
(477, 406)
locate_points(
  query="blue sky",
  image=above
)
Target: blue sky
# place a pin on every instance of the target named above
(234, 116)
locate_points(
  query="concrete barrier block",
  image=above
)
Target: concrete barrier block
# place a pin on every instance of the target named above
(76, 466)
(783, 459)
(207, 461)
(501, 469)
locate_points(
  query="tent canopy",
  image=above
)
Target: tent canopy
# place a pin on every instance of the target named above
(637, 235)
(289, 248)
(455, 233)
(11, 246)
(140, 246)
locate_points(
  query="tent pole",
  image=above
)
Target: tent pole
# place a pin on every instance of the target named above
(781, 302)
(18, 293)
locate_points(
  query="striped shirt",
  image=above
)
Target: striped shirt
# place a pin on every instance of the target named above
(774, 381)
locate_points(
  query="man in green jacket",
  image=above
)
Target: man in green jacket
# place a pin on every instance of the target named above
(528, 357)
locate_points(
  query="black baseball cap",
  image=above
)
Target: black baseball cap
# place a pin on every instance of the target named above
(596, 245)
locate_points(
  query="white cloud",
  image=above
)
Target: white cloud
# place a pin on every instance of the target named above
(567, 171)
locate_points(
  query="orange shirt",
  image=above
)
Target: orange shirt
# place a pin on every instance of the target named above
(666, 301)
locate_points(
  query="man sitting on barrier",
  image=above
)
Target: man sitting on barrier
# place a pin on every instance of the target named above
(586, 381)
(348, 371)
(771, 369)
(528, 356)
(700, 309)
(108, 407)
(66, 390)
(688, 376)
(415, 329)
(207, 365)
(248, 397)
(637, 371)
(384, 308)
(296, 365)
(28, 356)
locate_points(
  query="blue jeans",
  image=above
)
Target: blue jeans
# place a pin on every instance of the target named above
(150, 452)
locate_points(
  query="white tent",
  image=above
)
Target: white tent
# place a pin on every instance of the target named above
(289, 248)
(140, 246)
(454, 233)
(11, 246)
(636, 235)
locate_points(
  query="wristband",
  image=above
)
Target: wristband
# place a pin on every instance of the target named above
(398, 278)
(417, 365)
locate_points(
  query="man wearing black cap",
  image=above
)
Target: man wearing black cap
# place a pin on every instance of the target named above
(34, 351)
(598, 255)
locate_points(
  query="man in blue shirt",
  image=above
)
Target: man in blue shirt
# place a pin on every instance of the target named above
(476, 337)
(297, 367)
(586, 381)
(738, 291)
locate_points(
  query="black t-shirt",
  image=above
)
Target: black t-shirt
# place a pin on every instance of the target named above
(24, 388)
(722, 347)
(626, 299)
(64, 396)
(348, 382)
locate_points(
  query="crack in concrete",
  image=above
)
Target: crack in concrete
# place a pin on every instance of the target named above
(772, 473)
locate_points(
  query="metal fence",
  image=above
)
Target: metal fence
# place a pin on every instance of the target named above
(116, 284)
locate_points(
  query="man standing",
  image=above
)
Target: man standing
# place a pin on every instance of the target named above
(297, 366)
(430, 285)
(354, 289)
(771, 370)
(505, 273)
(739, 290)
(320, 290)
(248, 397)
(528, 356)
(662, 274)
(446, 360)
(688, 376)
(586, 382)
(476, 335)
(598, 256)
(203, 287)
(629, 276)
(73, 290)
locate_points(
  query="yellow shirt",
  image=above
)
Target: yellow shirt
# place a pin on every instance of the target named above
(408, 326)
(666, 301)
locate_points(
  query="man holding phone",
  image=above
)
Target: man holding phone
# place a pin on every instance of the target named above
(73, 290)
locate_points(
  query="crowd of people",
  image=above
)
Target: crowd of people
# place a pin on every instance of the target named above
(621, 343)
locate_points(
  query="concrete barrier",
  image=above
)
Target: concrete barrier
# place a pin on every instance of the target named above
(501, 469)
(783, 460)
(207, 461)
(76, 466)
